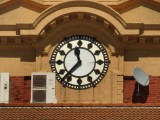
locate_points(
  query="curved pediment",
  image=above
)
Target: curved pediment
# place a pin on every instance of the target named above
(81, 6)
(107, 13)
(120, 16)
(139, 11)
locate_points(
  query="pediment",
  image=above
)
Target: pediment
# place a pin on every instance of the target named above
(140, 11)
(22, 11)
(132, 11)
(21, 15)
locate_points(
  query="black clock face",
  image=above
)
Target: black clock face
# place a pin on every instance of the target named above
(80, 62)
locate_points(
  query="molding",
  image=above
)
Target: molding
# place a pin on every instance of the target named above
(141, 40)
(9, 38)
(51, 2)
(126, 3)
(26, 3)
(97, 13)
(65, 8)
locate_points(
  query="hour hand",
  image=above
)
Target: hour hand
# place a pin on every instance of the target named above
(77, 65)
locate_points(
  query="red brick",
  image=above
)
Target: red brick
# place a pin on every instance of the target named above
(153, 91)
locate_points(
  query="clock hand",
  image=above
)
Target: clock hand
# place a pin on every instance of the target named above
(77, 65)
(77, 53)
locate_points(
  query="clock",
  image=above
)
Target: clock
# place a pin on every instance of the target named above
(80, 62)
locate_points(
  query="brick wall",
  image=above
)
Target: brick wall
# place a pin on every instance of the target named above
(20, 89)
(20, 108)
(27, 89)
(148, 94)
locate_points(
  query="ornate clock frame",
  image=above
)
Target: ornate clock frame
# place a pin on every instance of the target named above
(80, 62)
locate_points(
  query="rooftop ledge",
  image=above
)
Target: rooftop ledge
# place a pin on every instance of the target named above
(79, 105)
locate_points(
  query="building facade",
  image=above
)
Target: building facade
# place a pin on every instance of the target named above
(128, 30)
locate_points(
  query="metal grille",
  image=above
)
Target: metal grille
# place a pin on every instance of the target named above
(39, 81)
(39, 95)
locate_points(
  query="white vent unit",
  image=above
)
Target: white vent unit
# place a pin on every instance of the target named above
(4, 87)
(43, 87)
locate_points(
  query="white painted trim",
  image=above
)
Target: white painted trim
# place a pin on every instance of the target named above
(4, 87)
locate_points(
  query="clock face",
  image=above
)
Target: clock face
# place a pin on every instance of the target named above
(80, 62)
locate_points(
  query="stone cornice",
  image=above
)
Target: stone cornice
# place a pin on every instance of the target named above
(51, 2)
(32, 33)
(17, 27)
(126, 3)
(11, 39)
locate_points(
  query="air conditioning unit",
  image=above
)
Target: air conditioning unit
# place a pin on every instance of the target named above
(4, 87)
(43, 88)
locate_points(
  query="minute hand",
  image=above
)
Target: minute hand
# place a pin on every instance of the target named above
(77, 53)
